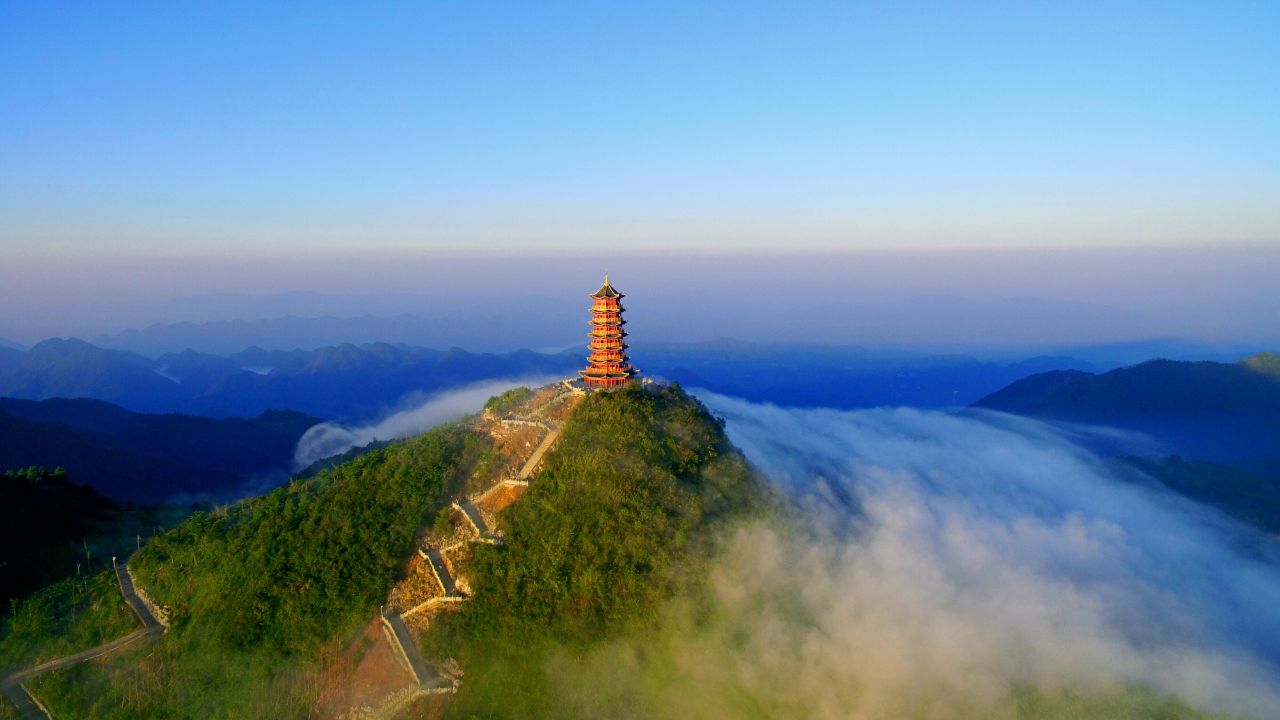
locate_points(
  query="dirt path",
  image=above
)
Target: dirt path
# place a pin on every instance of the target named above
(91, 653)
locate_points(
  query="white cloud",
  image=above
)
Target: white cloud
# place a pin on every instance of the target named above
(949, 560)
(329, 439)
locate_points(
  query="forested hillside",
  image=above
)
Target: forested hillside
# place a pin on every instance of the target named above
(139, 458)
(49, 524)
(620, 518)
(263, 590)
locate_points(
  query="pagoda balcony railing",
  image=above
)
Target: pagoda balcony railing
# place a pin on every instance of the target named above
(619, 371)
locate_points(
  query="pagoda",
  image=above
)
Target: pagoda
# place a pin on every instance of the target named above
(607, 365)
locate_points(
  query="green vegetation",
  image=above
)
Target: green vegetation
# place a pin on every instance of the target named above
(1263, 362)
(1130, 703)
(1241, 494)
(265, 591)
(52, 527)
(44, 520)
(95, 689)
(623, 516)
(69, 616)
(590, 609)
(507, 401)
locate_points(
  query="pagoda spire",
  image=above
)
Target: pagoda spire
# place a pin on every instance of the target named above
(607, 364)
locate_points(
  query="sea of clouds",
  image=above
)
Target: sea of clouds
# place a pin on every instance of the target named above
(416, 416)
(942, 563)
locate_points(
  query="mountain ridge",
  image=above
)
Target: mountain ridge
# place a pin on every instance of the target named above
(348, 382)
(146, 458)
(1218, 423)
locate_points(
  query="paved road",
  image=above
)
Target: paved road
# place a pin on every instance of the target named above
(131, 595)
(21, 699)
(89, 654)
(26, 702)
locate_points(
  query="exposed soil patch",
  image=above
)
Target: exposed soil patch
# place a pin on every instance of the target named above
(361, 676)
(500, 498)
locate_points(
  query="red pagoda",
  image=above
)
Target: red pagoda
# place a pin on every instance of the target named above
(607, 365)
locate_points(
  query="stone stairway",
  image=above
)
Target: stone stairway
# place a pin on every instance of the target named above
(427, 679)
(473, 516)
(435, 561)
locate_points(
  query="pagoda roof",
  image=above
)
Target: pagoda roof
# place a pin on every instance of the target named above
(606, 290)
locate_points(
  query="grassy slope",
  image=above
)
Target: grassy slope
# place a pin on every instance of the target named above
(620, 519)
(264, 592)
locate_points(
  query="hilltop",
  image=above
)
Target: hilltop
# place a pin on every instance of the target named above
(271, 600)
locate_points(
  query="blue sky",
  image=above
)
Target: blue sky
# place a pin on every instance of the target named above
(216, 129)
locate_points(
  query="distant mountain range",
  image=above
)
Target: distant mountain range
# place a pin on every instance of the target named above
(345, 382)
(138, 458)
(815, 376)
(1219, 423)
(1226, 412)
(352, 383)
(486, 325)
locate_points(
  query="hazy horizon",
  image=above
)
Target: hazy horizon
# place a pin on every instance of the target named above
(964, 300)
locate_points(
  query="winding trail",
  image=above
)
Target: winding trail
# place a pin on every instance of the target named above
(27, 704)
(429, 677)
